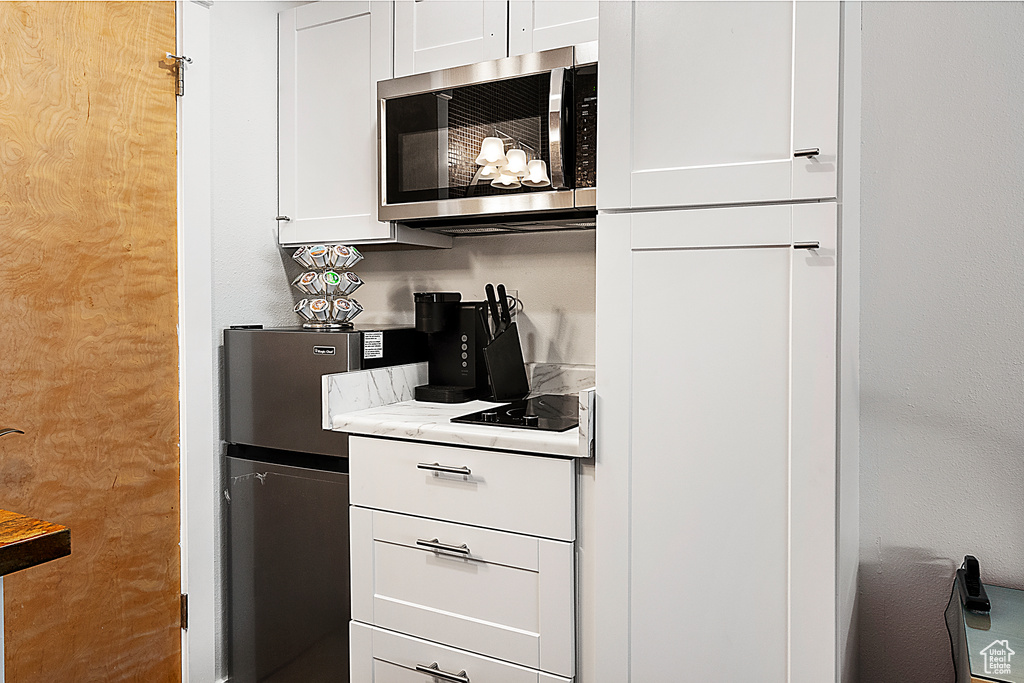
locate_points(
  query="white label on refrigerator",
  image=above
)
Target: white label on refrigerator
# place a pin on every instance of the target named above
(373, 345)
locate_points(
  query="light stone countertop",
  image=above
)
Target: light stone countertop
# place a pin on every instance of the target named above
(388, 411)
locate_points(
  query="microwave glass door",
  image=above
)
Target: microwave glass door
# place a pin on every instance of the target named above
(432, 140)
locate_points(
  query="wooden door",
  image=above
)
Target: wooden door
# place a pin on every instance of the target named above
(721, 99)
(88, 299)
(538, 25)
(732, 481)
(439, 34)
(327, 132)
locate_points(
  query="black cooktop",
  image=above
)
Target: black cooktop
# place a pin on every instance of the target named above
(548, 412)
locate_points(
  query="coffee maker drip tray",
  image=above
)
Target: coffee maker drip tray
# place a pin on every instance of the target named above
(548, 412)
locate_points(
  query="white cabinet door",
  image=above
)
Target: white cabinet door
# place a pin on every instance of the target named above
(331, 55)
(538, 25)
(732, 460)
(380, 656)
(504, 595)
(508, 491)
(439, 34)
(720, 101)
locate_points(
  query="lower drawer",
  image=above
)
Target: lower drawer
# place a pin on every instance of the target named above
(381, 656)
(503, 595)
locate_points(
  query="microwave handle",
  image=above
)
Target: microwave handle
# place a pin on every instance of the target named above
(557, 111)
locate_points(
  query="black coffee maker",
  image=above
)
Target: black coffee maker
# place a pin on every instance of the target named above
(456, 338)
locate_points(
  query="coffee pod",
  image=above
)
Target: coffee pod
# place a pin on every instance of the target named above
(301, 255)
(302, 308)
(298, 284)
(318, 253)
(320, 308)
(346, 257)
(350, 282)
(356, 309)
(342, 310)
(311, 283)
(332, 282)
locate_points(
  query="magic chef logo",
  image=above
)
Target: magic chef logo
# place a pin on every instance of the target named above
(997, 657)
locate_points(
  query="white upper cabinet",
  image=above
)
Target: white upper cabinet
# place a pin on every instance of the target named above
(549, 24)
(717, 103)
(439, 34)
(331, 55)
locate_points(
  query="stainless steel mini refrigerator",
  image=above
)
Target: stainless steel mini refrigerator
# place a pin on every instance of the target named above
(285, 498)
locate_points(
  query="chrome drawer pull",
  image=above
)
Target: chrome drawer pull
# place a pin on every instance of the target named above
(437, 467)
(810, 152)
(435, 670)
(806, 245)
(443, 547)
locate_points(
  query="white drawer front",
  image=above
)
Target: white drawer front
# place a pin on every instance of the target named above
(521, 493)
(385, 657)
(499, 594)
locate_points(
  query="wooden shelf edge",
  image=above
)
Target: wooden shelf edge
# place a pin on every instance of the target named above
(26, 542)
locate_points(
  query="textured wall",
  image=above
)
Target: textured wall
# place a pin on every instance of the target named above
(248, 268)
(942, 359)
(249, 278)
(553, 274)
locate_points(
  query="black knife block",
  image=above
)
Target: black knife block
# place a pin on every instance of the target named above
(506, 367)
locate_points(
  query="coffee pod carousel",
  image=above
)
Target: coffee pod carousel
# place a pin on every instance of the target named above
(327, 285)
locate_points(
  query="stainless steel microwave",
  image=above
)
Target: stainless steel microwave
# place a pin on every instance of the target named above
(505, 145)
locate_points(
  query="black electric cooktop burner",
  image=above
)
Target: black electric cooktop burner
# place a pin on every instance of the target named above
(548, 412)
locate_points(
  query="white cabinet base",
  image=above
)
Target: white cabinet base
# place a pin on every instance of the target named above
(381, 656)
(504, 595)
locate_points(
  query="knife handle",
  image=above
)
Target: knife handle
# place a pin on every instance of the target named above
(506, 316)
(492, 303)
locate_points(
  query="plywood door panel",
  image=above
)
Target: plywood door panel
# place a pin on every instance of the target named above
(88, 300)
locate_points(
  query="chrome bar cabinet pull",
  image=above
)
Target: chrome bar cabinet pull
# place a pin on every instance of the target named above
(434, 669)
(4, 431)
(806, 245)
(433, 544)
(809, 152)
(448, 469)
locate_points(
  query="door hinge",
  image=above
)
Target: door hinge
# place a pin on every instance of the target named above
(179, 72)
(184, 611)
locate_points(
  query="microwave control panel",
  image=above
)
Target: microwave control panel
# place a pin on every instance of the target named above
(585, 103)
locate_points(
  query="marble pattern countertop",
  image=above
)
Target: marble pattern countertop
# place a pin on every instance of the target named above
(377, 403)
(430, 422)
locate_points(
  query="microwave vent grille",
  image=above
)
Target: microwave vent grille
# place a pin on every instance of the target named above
(478, 111)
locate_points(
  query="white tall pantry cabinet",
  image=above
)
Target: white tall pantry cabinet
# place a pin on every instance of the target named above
(720, 244)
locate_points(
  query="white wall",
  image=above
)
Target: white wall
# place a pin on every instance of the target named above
(553, 273)
(942, 320)
(249, 281)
